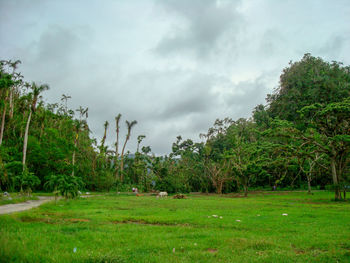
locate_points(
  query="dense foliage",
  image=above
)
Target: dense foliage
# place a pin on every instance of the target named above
(301, 138)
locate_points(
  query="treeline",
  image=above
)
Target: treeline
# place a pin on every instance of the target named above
(300, 138)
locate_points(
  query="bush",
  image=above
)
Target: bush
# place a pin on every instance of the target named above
(26, 181)
(105, 181)
(67, 185)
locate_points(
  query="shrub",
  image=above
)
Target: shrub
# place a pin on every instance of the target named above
(67, 185)
(26, 181)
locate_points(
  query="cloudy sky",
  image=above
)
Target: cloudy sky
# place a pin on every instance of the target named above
(172, 65)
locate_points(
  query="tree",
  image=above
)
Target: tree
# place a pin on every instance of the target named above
(6, 86)
(243, 155)
(309, 160)
(306, 82)
(36, 90)
(329, 130)
(102, 148)
(139, 140)
(130, 125)
(77, 127)
(219, 172)
(65, 99)
(117, 120)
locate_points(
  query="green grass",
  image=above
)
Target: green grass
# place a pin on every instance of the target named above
(16, 198)
(125, 228)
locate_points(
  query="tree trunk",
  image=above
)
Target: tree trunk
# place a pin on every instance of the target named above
(3, 123)
(219, 187)
(11, 103)
(122, 161)
(335, 180)
(73, 157)
(117, 146)
(41, 130)
(308, 184)
(245, 190)
(25, 143)
(116, 156)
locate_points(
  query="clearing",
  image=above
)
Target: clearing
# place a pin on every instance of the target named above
(264, 227)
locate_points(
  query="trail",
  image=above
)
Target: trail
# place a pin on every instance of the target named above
(12, 208)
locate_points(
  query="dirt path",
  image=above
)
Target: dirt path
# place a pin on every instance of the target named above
(11, 208)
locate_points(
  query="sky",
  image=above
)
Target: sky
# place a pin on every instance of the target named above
(173, 65)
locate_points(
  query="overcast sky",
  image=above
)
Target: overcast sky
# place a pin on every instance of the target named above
(172, 65)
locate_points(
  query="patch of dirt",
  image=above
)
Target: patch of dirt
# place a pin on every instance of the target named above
(212, 250)
(29, 219)
(121, 208)
(48, 220)
(179, 196)
(146, 223)
(298, 251)
(77, 220)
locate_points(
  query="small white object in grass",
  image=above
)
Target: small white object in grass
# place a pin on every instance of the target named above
(195, 244)
(220, 217)
(214, 215)
(87, 193)
(238, 220)
(257, 215)
(173, 250)
(162, 194)
(284, 214)
(74, 249)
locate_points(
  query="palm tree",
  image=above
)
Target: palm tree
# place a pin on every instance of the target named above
(13, 65)
(77, 128)
(83, 112)
(7, 88)
(102, 149)
(130, 125)
(139, 140)
(117, 119)
(36, 90)
(65, 99)
(3, 116)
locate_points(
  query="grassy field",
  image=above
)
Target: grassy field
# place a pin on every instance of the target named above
(126, 228)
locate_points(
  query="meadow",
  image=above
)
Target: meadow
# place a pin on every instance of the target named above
(264, 227)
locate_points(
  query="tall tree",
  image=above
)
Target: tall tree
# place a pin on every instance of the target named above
(102, 148)
(6, 86)
(130, 125)
(82, 112)
(330, 132)
(139, 140)
(13, 65)
(117, 120)
(310, 80)
(65, 99)
(36, 90)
